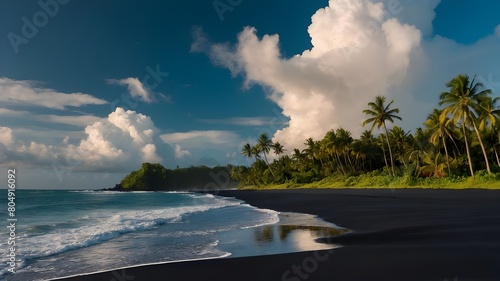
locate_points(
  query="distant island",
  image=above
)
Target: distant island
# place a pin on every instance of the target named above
(155, 177)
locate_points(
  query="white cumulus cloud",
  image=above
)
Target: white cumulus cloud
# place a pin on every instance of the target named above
(359, 51)
(123, 136)
(120, 142)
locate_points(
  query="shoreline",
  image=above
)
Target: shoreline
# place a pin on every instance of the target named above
(398, 235)
(287, 219)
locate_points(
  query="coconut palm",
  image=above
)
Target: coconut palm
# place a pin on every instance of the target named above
(400, 139)
(489, 121)
(310, 149)
(382, 113)
(417, 147)
(344, 141)
(439, 131)
(332, 148)
(462, 103)
(264, 145)
(247, 151)
(372, 150)
(278, 148)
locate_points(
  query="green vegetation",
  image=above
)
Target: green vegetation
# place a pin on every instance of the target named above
(453, 150)
(149, 177)
(154, 177)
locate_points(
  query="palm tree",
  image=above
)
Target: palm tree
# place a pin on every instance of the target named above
(380, 114)
(256, 152)
(439, 129)
(283, 162)
(418, 144)
(462, 102)
(372, 150)
(264, 145)
(490, 113)
(331, 145)
(345, 140)
(278, 148)
(298, 157)
(381, 139)
(310, 148)
(490, 117)
(400, 139)
(247, 151)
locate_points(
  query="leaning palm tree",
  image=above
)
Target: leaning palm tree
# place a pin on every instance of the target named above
(382, 113)
(264, 145)
(463, 102)
(439, 131)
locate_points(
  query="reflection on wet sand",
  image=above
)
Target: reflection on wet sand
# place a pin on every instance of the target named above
(267, 233)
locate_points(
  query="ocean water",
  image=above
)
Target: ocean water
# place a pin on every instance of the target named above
(65, 233)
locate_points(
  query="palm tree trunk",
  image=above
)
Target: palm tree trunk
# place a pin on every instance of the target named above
(446, 151)
(418, 163)
(390, 150)
(350, 161)
(340, 163)
(496, 155)
(269, 166)
(467, 149)
(331, 162)
(385, 157)
(482, 147)
(345, 160)
(456, 146)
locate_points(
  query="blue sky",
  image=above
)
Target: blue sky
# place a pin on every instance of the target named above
(98, 87)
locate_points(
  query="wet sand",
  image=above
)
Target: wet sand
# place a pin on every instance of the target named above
(397, 235)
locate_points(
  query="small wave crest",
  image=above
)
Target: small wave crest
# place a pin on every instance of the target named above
(271, 217)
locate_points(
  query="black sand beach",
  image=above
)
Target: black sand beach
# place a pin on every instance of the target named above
(398, 235)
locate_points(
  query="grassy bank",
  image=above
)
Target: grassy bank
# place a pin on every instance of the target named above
(481, 180)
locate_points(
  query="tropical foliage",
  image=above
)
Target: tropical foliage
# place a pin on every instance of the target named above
(154, 177)
(457, 140)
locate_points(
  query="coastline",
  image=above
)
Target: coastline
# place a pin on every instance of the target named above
(398, 235)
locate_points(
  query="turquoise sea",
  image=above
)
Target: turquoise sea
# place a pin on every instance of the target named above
(65, 233)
